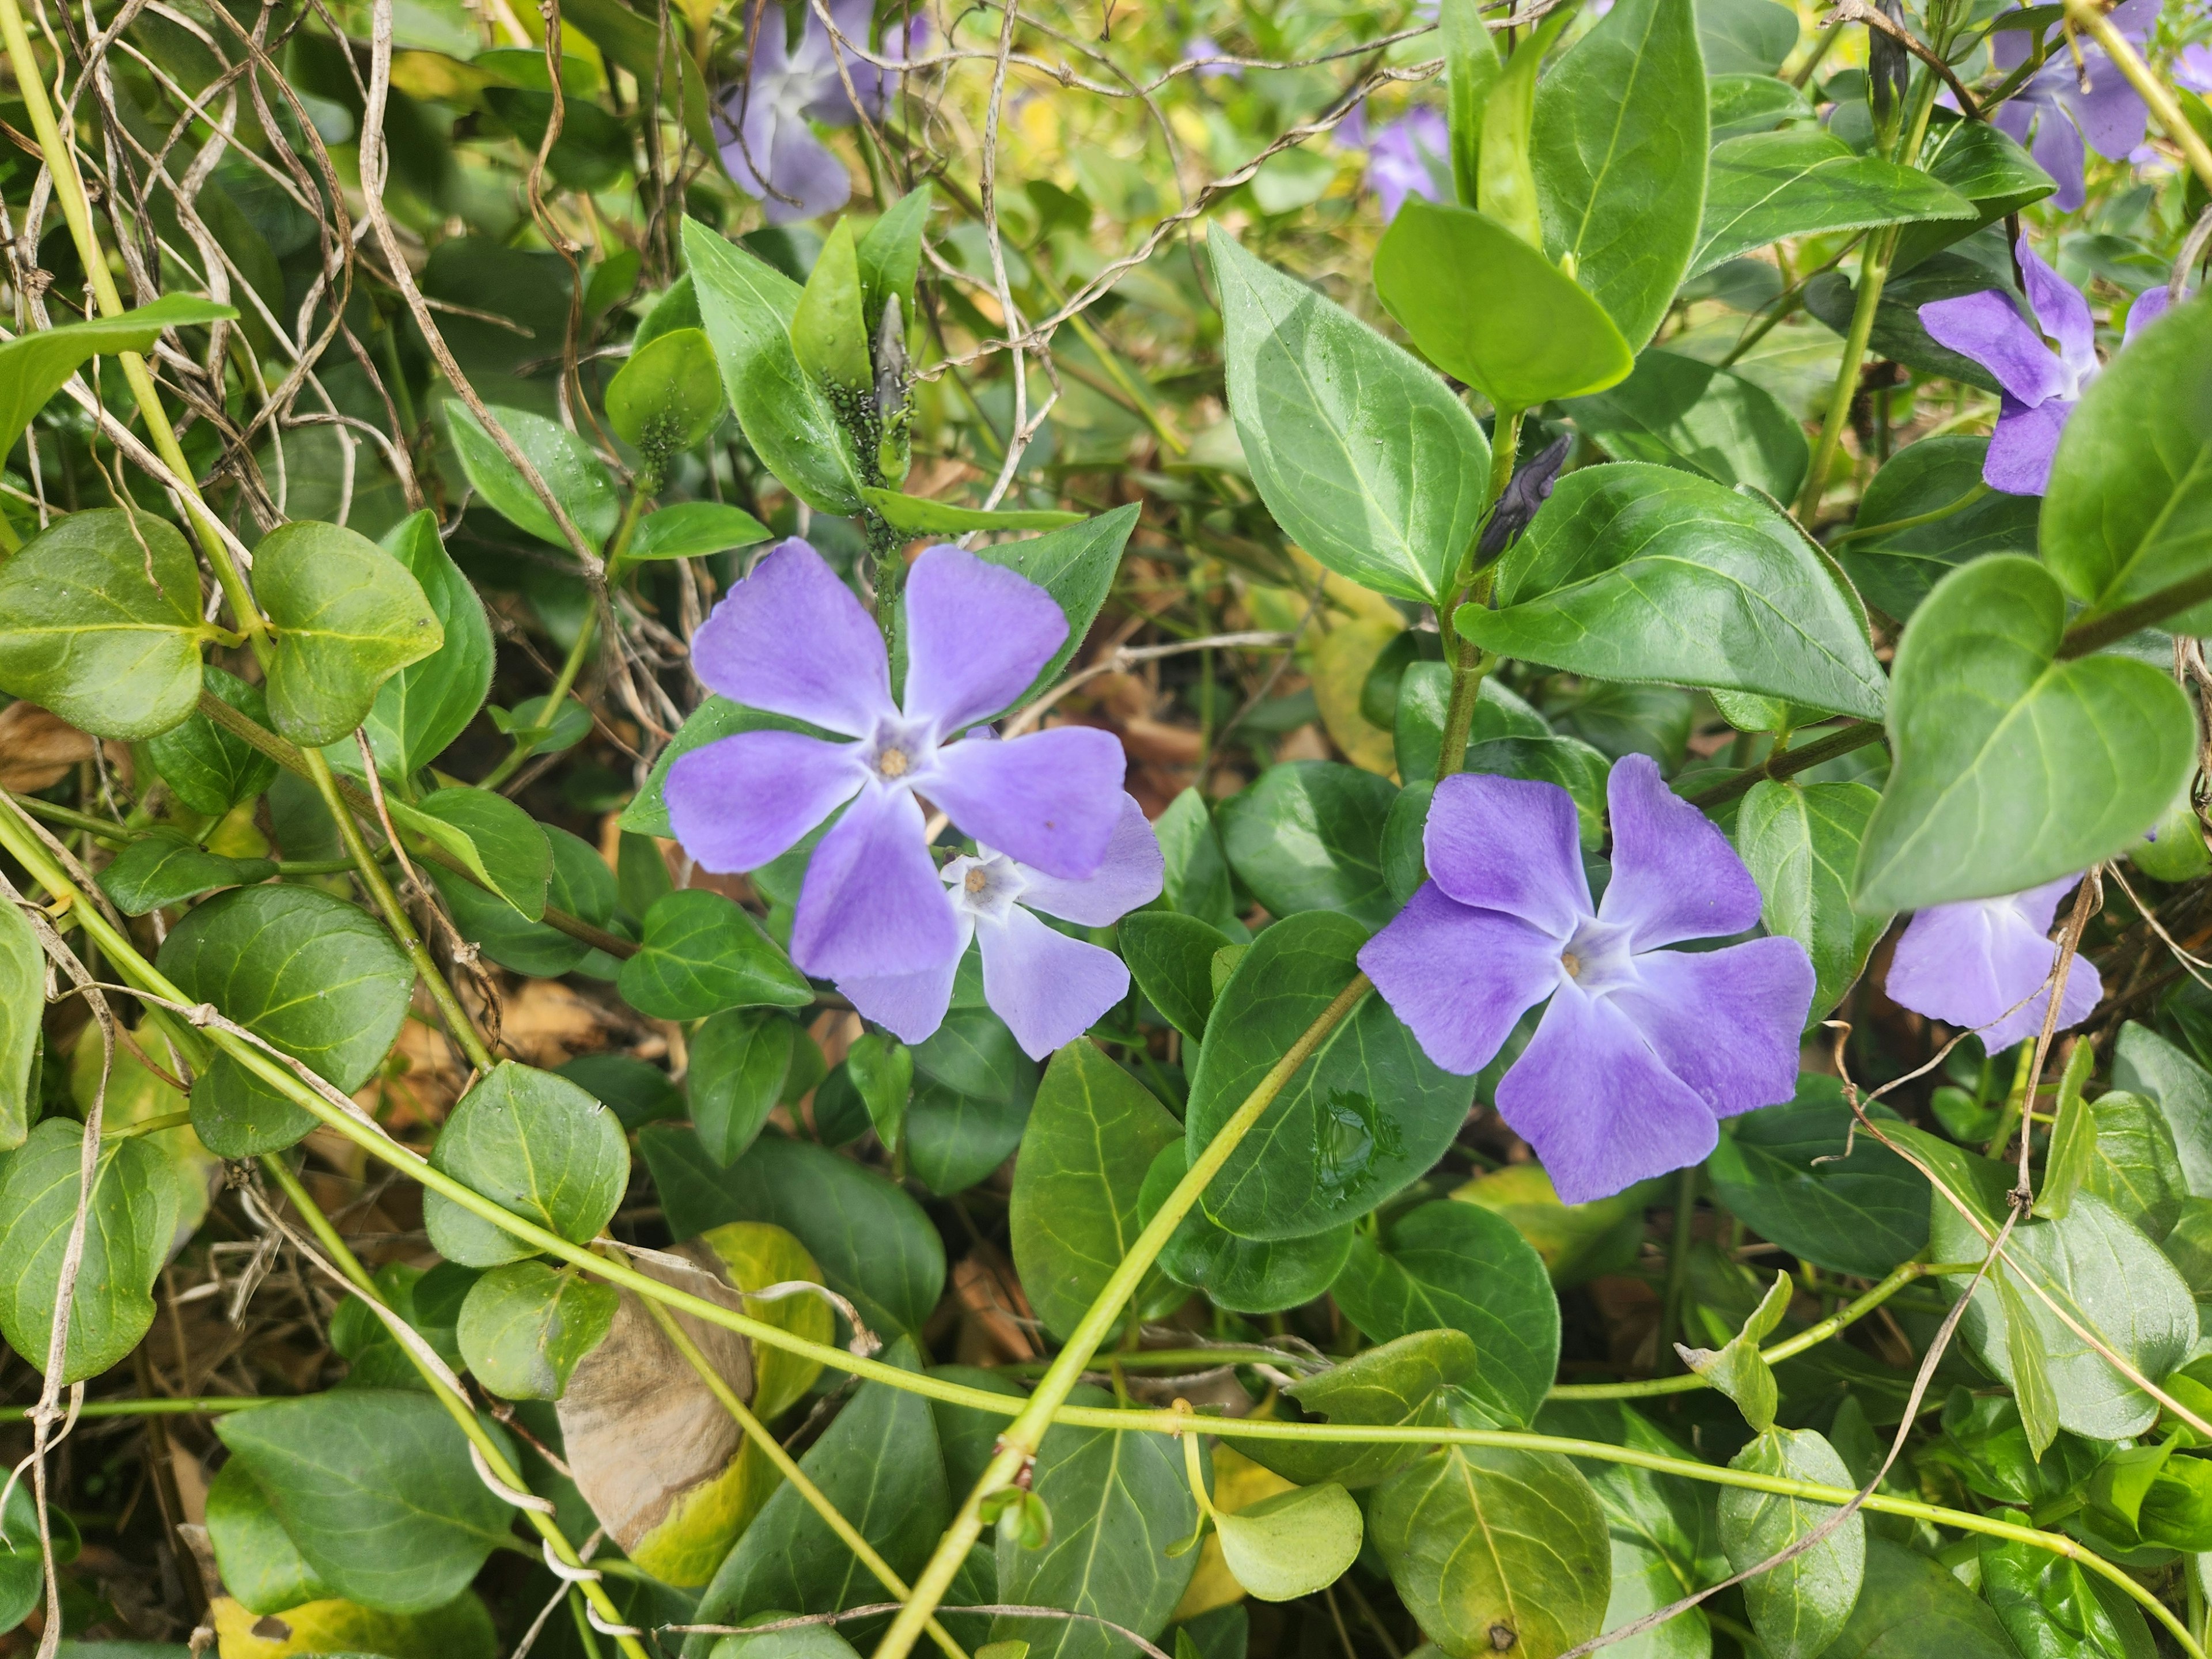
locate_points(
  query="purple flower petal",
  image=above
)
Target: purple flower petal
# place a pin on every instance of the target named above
(1133, 874)
(2149, 306)
(1986, 327)
(1404, 158)
(2111, 114)
(2019, 458)
(792, 640)
(1972, 965)
(2193, 70)
(801, 167)
(1049, 989)
(1459, 976)
(2063, 314)
(1594, 1100)
(1674, 875)
(871, 904)
(2016, 114)
(738, 803)
(1725, 1022)
(1509, 844)
(1051, 799)
(2058, 150)
(910, 1006)
(976, 635)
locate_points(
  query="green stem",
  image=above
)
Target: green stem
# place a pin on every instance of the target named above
(572, 666)
(1678, 1263)
(148, 1126)
(1778, 767)
(111, 834)
(1470, 663)
(1016, 1447)
(1859, 532)
(193, 1405)
(1873, 271)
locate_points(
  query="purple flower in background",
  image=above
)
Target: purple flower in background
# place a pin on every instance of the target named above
(2193, 69)
(792, 639)
(2066, 103)
(1410, 156)
(1981, 965)
(1200, 47)
(1643, 1049)
(1049, 989)
(772, 150)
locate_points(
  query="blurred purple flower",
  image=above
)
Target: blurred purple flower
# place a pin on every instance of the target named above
(2193, 69)
(1643, 1050)
(2039, 389)
(1049, 989)
(2066, 103)
(792, 639)
(1981, 965)
(1200, 47)
(1409, 156)
(771, 148)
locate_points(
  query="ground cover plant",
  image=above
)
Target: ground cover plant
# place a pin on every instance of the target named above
(1182, 829)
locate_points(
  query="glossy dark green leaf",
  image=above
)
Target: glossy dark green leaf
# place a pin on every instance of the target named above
(1619, 149)
(536, 1144)
(635, 1091)
(1801, 842)
(1895, 569)
(2132, 1163)
(1092, 1135)
(37, 363)
(375, 1488)
(873, 1243)
(502, 845)
(692, 530)
(1364, 457)
(889, 255)
(1634, 572)
(206, 768)
(578, 479)
(167, 867)
(1171, 959)
(262, 1567)
(1782, 1171)
(1681, 412)
(738, 1061)
(1197, 873)
(23, 1005)
(126, 1237)
(1799, 1606)
(421, 710)
(1418, 730)
(1984, 165)
(1245, 1275)
(1911, 1605)
(2053, 1609)
(2011, 767)
(1773, 185)
(2146, 1064)
(2128, 508)
(1462, 1267)
(101, 624)
(1746, 36)
(702, 954)
(1308, 836)
(1368, 1113)
(1391, 1384)
(972, 1086)
(1740, 105)
(347, 615)
(1535, 336)
(667, 397)
(580, 885)
(525, 1327)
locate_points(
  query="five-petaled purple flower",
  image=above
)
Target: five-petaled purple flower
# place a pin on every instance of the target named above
(792, 639)
(1984, 965)
(2039, 389)
(2067, 103)
(1049, 989)
(772, 149)
(1643, 1050)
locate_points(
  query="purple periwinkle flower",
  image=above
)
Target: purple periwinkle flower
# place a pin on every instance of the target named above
(1643, 1050)
(2066, 102)
(1049, 989)
(2192, 68)
(771, 148)
(1983, 965)
(1410, 156)
(792, 639)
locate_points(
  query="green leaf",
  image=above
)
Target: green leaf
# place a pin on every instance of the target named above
(525, 1327)
(1741, 105)
(2133, 1164)
(1805, 181)
(806, 1642)
(829, 334)
(2053, 1609)
(910, 515)
(1197, 872)
(36, 365)
(747, 308)
(1363, 456)
(1394, 1384)
(1244, 1275)
(167, 867)
(1680, 412)
(1092, 1134)
(971, 1094)
(2012, 769)
(23, 1005)
(1801, 842)
(502, 845)
(1746, 36)
(1116, 1498)
(1798, 1606)
(1472, 67)
(1535, 336)
(1296, 1543)
(875, 1245)
(374, 1488)
(1308, 836)
(702, 954)
(1895, 569)
(1495, 1550)
(348, 616)
(261, 1566)
(207, 768)
(1980, 163)
(101, 624)
(1366, 1114)
(582, 885)
(1619, 149)
(2146, 1064)
(316, 976)
(1739, 1371)
(1417, 733)
(578, 479)
(2128, 508)
(2032, 1389)
(1633, 572)
(1505, 186)
(2072, 1144)
(1782, 1171)
(1460, 1266)
(667, 398)
(1171, 959)
(421, 710)
(1910, 1606)
(889, 255)
(692, 530)
(536, 1144)
(740, 1059)
(128, 1228)
(882, 1069)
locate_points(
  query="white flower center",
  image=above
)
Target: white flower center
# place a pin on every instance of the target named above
(899, 755)
(1597, 957)
(985, 886)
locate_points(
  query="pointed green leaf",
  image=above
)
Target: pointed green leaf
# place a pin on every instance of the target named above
(702, 954)
(2073, 1146)
(346, 615)
(692, 530)
(502, 845)
(1801, 842)
(167, 867)
(912, 516)
(421, 710)
(1773, 185)
(579, 479)
(22, 1004)
(1798, 1605)
(667, 398)
(34, 365)
(740, 1059)
(1680, 412)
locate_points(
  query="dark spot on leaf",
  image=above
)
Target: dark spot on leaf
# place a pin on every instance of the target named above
(269, 1628)
(1501, 1637)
